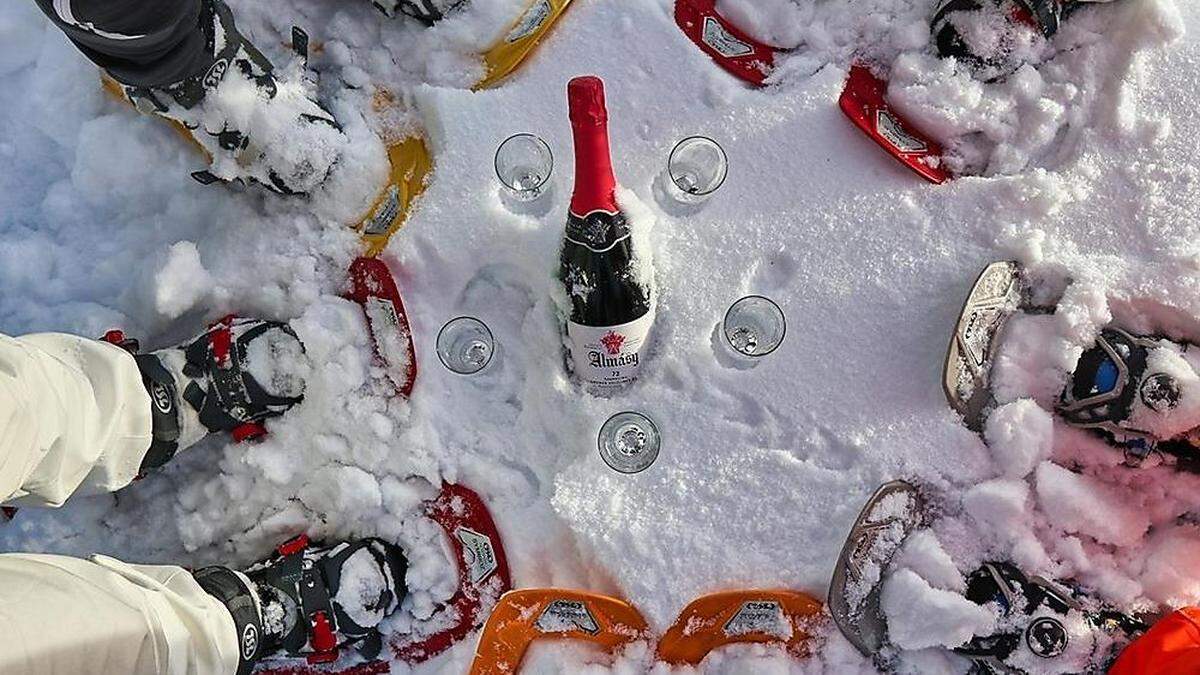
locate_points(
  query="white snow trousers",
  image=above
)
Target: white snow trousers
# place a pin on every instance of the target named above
(75, 418)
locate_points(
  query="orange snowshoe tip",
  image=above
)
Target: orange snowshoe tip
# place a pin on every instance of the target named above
(520, 617)
(411, 163)
(502, 58)
(770, 616)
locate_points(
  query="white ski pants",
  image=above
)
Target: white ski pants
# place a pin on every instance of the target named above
(75, 418)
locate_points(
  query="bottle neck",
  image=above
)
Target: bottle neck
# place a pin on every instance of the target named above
(595, 184)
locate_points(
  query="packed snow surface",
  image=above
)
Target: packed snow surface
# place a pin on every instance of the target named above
(1090, 166)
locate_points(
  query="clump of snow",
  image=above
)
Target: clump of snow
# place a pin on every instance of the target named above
(1020, 436)
(1082, 505)
(921, 616)
(182, 281)
(362, 585)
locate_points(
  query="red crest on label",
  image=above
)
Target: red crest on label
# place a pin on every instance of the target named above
(612, 342)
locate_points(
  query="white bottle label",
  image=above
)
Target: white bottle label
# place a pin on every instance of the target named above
(608, 358)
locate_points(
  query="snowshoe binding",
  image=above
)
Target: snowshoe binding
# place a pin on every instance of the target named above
(427, 12)
(230, 378)
(1044, 624)
(254, 126)
(312, 601)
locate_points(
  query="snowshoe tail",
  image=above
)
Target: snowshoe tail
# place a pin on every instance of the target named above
(994, 298)
(769, 616)
(373, 287)
(483, 576)
(548, 613)
(735, 51)
(890, 516)
(863, 101)
(411, 164)
(504, 57)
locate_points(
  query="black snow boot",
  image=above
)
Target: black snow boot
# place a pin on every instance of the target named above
(312, 601)
(230, 378)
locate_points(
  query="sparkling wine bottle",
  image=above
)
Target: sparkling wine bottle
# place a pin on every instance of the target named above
(607, 281)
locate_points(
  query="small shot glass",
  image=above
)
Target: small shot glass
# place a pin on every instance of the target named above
(696, 168)
(629, 442)
(523, 165)
(465, 345)
(754, 326)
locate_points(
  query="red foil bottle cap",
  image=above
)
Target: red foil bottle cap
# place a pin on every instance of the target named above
(585, 100)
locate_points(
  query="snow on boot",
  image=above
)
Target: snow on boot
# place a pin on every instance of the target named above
(229, 378)
(255, 127)
(427, 12)
(311, 601)
(1042, 627)
(994, 37)
(1142, 392)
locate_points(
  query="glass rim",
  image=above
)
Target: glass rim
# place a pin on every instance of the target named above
(782, 323)
(647, 421)
(724, 161)
(488, 331)
(540, 141)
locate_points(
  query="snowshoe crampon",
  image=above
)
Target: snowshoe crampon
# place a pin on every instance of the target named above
(533, 614)
(372, 287)
(732, 49)
(482, 574)
(769, 616)
(892, 513)
(410, 166)
(864, 102)
(502, 58)
(994, 298)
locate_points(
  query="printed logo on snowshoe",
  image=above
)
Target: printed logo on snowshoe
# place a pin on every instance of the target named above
(1160, 392)
(892, 131)
(383, 217)
(533, 20)
(215, 72)
(566, 615)
(162, 398)
(479, 553)
(722, 41)
(757, 616)
(249, 642)
(1046, 637)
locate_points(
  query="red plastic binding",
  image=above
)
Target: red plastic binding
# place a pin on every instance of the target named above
(248, 432)
(115, 337)
(293, 545)
(323, 640)
(222, 339)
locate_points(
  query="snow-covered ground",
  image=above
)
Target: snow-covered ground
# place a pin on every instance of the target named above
(1094, 186)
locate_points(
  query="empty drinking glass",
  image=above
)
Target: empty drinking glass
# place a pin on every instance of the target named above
(754, 326)
(465, 345)
(697, 167)
(629, 442)
(523, 165)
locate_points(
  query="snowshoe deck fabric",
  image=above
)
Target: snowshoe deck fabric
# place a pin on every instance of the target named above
(506, 55)
(768, 616)
(548, 613)
(732, 49)
(483, 576)
(372, 287)
(888, 518)
(863, 101)
(994, 298)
